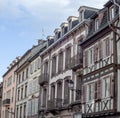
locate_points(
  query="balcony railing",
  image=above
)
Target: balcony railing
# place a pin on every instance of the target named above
(44, 78)
(76, 62)
(54, 104)
(6, 102)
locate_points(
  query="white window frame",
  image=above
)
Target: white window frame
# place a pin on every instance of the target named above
(112, 12)
(105, 87)
(90, 56)
(96, 24)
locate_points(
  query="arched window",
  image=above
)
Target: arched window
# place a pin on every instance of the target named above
(66, 90)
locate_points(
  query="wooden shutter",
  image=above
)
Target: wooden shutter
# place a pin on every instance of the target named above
(83, 93)
(107, 47)
(99, 85)
(96, 90)
(95, 53)
(100, 50)
(111, 86)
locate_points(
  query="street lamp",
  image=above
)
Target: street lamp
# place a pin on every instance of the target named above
(71, 86)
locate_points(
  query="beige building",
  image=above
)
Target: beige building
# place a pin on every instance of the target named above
(9, 91)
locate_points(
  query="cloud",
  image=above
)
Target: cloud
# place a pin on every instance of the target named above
(43, 9)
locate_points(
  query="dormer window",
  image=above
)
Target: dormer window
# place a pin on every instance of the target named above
(64, 30)
(112, 13)
(57, 34)
(96, 24)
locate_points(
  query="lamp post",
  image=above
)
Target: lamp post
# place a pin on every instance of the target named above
(71, 86)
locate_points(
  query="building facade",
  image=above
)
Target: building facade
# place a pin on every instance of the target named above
(9, 91)
(33, 82)
(100, 89)
(22, 73)
(60, 60)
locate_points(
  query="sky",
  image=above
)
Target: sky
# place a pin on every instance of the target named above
(23, 22)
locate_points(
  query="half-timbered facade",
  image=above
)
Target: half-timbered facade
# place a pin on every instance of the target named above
(99, 89)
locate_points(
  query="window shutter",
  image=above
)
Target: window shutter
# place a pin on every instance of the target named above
(96, 90)
(95, 53)
(100, 50)
(83, 93)
(99, 85)
(111, 86)
(86, 58)
(107, 47)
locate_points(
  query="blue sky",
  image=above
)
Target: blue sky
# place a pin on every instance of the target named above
(22, 22)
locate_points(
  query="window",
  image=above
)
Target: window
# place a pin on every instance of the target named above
(32, 107)
(31, 69)
(26, 73)
(12, 94)
(23, 76)
(36, 64)
(9, 82)
(53, 66)
(66, 91)
(44, 97)
(52, 92)
(59, 90)
(78, 87)
(90, 56)
(96, 24)
(22, 92)
(96, 52)
(17, 112)
(60, 62)
(24, 111)
(21, 111)
(106, 87)
(19, 78)
(8, 94)
(79, 50)
(68, 57)
(91, 91)
(46, 67)
(18, 94)
(25, 90)
(112, 13)
(106, 47)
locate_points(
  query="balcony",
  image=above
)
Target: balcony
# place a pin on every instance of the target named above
(6, 102)
(54, 106)
(43, 79)
(76, 62)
